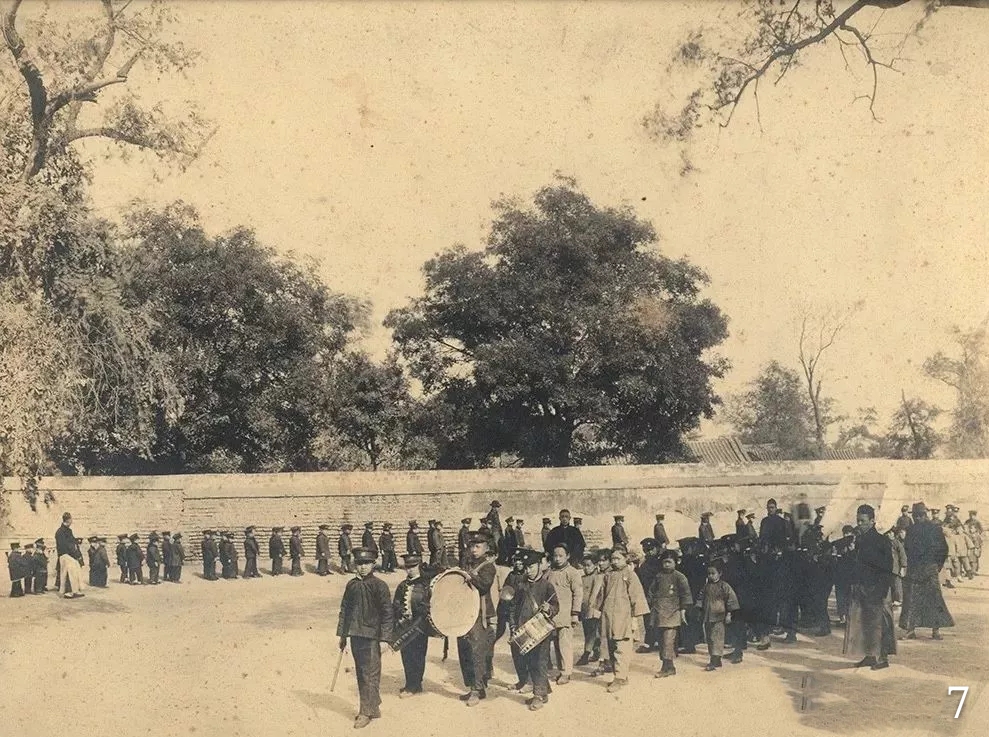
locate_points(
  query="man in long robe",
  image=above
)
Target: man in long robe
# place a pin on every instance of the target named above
(870, 613)
(927, 550)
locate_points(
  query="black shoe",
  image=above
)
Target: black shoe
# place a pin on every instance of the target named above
(790, 638)
(735, 657)
(880, 665)
(867, 660)
(763, 645)
(582, 660)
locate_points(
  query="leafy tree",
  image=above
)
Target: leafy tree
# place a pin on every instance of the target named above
(374, 414)
(568, 339)
(249, 338)
(775, 410)
(768, 38)
(968, 375)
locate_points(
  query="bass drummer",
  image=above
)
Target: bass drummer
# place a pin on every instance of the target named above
(475, 650)
(412, 602)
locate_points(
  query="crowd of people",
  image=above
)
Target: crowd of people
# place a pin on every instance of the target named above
(726, 593)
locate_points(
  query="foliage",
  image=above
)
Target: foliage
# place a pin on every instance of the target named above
(968, 374)
(911, 433)
(567, 340)
(249, 338)
(775, 410)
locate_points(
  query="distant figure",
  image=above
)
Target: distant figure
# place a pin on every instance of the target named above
(276, 550)
(659, 532)
(619, 538)
(177, 558)
(322, 551)
(494, 523)
(704, 530)
(905, 520)
(252, 551)
(413, 545)
(389, 561)
(295, 551)
(346, 548)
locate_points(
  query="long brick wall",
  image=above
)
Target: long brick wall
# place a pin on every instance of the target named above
(191, 503)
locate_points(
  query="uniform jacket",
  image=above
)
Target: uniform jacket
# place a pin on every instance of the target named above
(413, 545)
(344, 546)
(571, 536)
(717, 599)
(176, 555)
(462, 537)
(276, 547)
(925, 544)
(482, 576)
(366, 610)
(214, 549)
(569, 585)
(204, 548)
(618, 536)
(774, 530)
(368, 542)
(705, 532)
(873, 568)
(135, 556)
(387, 542)
(225, 546)
(16, 565)
(899, 556)
(252, 548)
(659, 534)
(590, 583)
(65, 543)
(904, 521)
(669, 593)
(101, 559)
(322, 546)
(618, 600)
(295, 547)
(121, 555)
(166, 549)
(519, 537)
(40, 563)
(411, 598)
(154, 555)
(530, 596)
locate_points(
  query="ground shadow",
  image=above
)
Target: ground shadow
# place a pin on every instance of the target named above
(64, 609)
(303, 614)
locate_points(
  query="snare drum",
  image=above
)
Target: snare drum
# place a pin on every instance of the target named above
(533, 632)
(406, 630)
(454, 604)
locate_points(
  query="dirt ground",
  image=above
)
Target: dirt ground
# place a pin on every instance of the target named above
(255, 657)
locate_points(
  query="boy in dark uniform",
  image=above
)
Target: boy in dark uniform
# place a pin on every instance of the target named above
(475, 648)
(276, 550)
(166, 549)
(16, 569)
(177, 554)
(513, 582)
(367, 539)
(91, 554)
(463, 536)
(295, 551)
(122, 543)
(154, 559)
(322, 552)
(346, 548)
(252, 549)
(366, 617)
(413, 544)
(225, 546)
(659, 532)
(234, 557)
(387, 544)
(412, 602)
(535, 593)
(135, 561)
(27, 561)
(210, 553)
(40, 567)
(102, 562)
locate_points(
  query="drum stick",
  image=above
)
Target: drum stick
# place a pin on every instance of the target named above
(446, 647)
(336, 670)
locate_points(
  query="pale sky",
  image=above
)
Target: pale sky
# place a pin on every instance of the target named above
(373, 135)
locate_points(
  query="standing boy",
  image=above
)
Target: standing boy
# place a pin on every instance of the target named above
(366, 617)
(276, 550)
(122, 543)
(620, 602)
(322, 552)
(346, 549)
(591, 624)
(135, 561)
(717, 602)
(177, 554)
(412, 602)
(536, 593)
(569, 595)
(40, 567)
(154, 559)
(669, 600)
(295, 551)
(387, 545)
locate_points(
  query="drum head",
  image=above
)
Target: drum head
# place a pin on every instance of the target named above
(454, 604)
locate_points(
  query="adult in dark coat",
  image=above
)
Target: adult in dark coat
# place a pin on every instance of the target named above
(367, 617)
(295, 551)
(411, 603)
(276, 550)
(70, 558)
(870, 615)
(773, 529)
(322, 551)
(927, 550)
(568, 535)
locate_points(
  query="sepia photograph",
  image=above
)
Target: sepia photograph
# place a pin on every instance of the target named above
(579, 368)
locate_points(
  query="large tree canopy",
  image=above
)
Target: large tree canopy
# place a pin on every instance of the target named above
(250, 339)
(569, 339)
(967, 372)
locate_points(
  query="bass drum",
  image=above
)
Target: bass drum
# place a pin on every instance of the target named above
(454, 604)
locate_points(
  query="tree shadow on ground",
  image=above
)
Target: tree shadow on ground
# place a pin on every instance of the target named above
(290, 614)
(65, 609)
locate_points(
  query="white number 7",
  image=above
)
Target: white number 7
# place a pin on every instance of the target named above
(964, 690)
